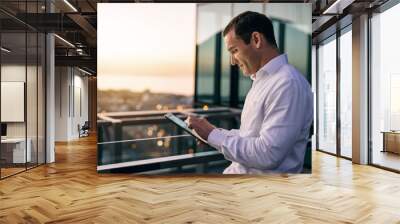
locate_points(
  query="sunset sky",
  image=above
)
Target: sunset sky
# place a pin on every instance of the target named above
(146, 46)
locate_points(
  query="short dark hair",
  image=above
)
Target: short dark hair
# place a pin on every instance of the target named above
(248, 22)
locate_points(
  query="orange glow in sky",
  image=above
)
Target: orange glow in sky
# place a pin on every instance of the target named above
(146, 46)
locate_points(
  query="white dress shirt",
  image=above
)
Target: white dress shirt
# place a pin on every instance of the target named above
(275, 123)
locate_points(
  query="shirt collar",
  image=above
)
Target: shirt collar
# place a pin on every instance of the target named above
(272, 66)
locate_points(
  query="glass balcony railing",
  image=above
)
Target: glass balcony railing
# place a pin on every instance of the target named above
(145, 142)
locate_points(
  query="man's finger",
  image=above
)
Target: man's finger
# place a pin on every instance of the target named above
(188, 121)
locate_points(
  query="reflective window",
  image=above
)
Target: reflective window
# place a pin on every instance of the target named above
(211, 19)
(298, 54)
(385, 89)
(346, 93)
(327, 96)
(205, 70)
(225, 14)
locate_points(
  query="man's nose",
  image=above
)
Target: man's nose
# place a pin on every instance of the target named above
(233, 60)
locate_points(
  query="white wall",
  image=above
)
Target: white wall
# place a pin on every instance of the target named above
(13, 73)
(71, 94)
(62, 81)
(33, 125)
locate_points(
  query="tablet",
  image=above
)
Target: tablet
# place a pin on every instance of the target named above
(180, 123)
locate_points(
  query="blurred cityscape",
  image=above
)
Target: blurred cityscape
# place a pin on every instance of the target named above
(125, 100)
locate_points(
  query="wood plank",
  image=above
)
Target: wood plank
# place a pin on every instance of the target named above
(71, 191)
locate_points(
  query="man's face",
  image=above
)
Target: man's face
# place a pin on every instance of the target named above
(242, 54)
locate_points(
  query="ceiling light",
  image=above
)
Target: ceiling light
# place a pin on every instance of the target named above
(5, 50)
(71, 6)
(64, 40)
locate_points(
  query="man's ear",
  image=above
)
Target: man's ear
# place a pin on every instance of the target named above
(256, 39)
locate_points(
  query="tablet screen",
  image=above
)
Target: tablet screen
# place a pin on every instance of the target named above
(180, 123)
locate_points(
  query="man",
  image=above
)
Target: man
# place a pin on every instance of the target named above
(278, 109)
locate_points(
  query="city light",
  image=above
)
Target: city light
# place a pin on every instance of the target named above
(167, 143)
(161, 133)
(149, 132)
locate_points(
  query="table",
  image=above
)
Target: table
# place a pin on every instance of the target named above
(391, 141)
(13, 150)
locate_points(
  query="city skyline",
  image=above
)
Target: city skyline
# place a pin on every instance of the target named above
(157, 53)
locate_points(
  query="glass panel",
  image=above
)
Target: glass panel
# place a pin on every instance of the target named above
(346, 94)
(205, 70)
(13, 87)
(31, 87)
(148, 142)
(225, 60)
(161, 155)
(385, 84)
(211, 20)
(225, 76)
(41, 98)
(298, 49)
(327, 96)
(31, 101)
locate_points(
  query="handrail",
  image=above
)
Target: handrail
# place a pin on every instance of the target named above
(142, 139)
(162, 112)
(106, 118)
(139, 117)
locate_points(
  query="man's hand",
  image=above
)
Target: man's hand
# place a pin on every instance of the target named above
(200, 125)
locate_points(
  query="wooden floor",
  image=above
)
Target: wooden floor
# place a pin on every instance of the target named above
(10, 171)
(70, 191)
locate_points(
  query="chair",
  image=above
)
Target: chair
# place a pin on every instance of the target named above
(84, 130)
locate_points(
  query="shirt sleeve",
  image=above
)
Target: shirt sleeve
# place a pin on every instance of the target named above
(281, 126)
(217, 135)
